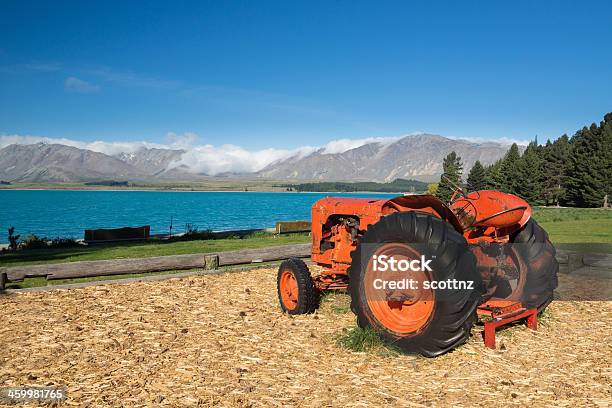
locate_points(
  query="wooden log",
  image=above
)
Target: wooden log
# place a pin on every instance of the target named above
(3, 279)
(264, 254)
(107, 267)
(84, 269)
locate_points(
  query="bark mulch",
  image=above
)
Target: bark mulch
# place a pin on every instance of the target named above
(221, 340)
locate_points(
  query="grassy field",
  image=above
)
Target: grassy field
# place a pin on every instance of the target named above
(146, 249)
(578, 229)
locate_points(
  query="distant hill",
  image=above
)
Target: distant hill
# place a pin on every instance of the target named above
(151, 161)
(42, 162)
(412, 157)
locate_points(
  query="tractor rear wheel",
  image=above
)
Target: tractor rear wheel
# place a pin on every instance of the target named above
(296, 292)
(540, 275)
(419, 320)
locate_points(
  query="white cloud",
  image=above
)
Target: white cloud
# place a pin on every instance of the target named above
(342, 145)
(79, 85)
(185, 140)
(209, 159)
(110, 148)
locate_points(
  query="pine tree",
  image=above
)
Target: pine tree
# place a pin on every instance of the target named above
(590, 170)
(556, 157)
(509, 170)
(493, 176)
(529, 175)
(452, 172)
(477, 178)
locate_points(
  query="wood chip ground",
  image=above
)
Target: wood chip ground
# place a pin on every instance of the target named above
(220, 340)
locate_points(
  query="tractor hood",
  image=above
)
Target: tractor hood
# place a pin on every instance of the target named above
(490, 208)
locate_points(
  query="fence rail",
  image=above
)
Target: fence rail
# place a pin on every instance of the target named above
(85, 269)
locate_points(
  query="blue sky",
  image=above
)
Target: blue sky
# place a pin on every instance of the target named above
(285, 74)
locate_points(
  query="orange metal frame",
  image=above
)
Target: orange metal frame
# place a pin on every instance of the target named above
(502, 312)
(327, 225)
(482, 216)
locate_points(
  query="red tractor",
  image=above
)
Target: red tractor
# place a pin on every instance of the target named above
(479, 254)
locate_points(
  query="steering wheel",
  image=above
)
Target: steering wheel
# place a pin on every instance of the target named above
(457, 188)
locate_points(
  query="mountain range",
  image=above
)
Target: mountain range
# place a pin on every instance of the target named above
(418, 157)
(413, 157)
(42, 162)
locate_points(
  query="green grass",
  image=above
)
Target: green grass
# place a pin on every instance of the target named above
(551, 214)
(145, 249)
(577, 229)
(366, 340)
(337, 302)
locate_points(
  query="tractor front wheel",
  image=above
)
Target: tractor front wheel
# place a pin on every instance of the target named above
(416, 319)
(296, 292)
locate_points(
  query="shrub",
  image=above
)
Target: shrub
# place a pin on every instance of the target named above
(192, 233)
(197, 234)
(63, 243)
(13, 239)
(33, 242)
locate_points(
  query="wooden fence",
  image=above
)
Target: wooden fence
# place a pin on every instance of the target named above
(84, 269)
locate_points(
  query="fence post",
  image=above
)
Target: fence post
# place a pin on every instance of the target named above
(3, 279)
(211, 262)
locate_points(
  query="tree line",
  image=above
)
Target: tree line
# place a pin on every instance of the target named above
(571, 171)
(395, 186)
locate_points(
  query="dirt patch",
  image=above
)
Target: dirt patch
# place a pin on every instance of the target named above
(221, 340)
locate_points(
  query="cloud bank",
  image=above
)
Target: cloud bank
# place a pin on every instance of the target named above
(213, 159)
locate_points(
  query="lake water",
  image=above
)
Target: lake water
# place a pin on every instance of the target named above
(62, 213)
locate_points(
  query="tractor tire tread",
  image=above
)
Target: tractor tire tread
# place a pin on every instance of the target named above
(453, 317)
(539, 255)
(308, 297)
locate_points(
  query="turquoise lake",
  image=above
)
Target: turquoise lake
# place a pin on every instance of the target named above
(62, 213)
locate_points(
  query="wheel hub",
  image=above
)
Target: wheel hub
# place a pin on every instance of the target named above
(402, 310)
(289, 290)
